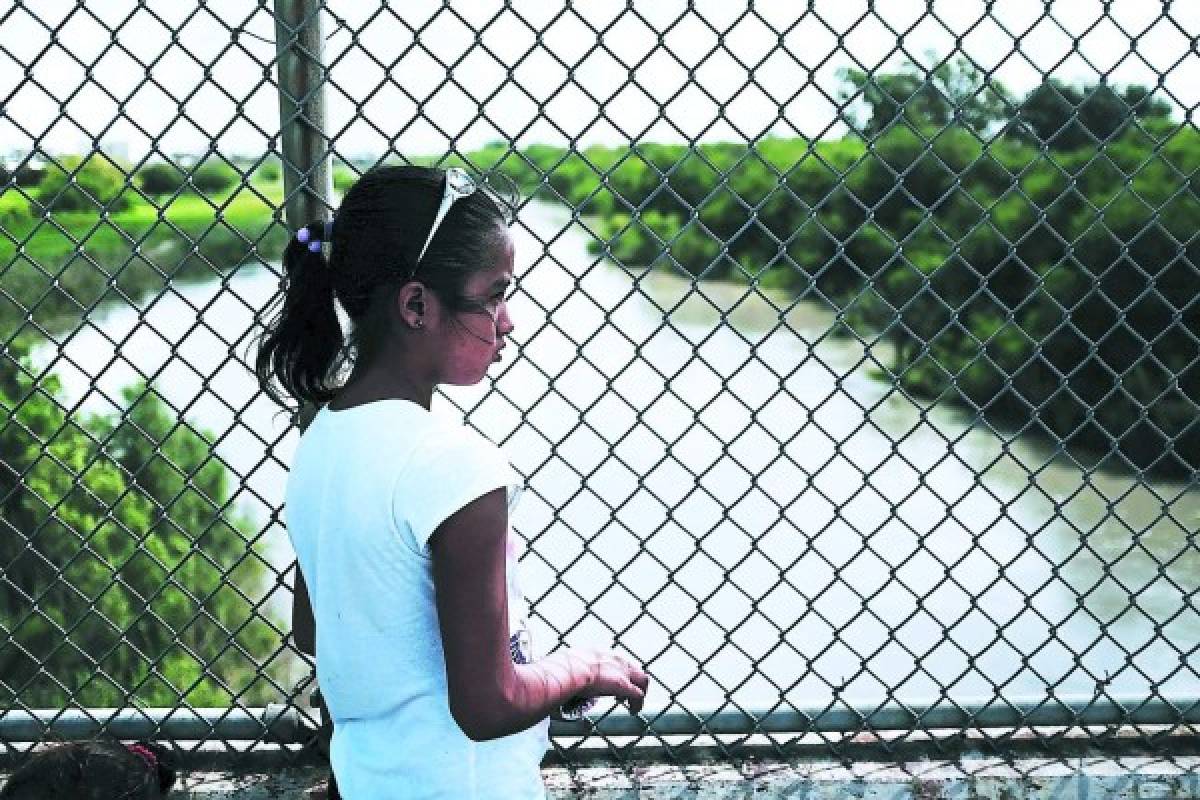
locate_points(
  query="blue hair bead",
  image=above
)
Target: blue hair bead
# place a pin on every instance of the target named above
(302, 235)
(314, 246)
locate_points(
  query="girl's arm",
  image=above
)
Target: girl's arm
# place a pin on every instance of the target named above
(490, 696)
(304, 627)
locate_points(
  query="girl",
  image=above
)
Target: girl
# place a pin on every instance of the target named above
(399, 518)
(96, 770)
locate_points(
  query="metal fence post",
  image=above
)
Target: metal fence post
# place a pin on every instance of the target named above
(308, 195)
(307, 168)
(307, 171)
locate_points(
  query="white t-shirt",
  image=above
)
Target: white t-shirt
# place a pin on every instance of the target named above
(368, 487)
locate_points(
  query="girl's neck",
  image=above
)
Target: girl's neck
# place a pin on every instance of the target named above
(375, 385)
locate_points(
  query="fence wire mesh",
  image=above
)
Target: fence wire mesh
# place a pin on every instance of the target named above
(856, 390)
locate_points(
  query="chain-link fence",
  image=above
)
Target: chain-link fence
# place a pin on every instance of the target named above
(858, 361)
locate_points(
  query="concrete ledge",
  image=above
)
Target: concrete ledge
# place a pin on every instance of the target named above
(994, 779)
(1134, 778)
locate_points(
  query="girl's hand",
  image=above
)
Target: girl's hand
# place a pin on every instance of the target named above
(614, 675)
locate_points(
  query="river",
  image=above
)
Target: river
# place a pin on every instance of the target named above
(714, 481)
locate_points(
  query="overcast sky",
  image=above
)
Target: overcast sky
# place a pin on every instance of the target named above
(680, 82)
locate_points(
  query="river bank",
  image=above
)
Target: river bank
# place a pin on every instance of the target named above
(698, 463)
(1050, 290)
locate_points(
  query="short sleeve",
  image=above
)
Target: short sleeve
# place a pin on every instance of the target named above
(447, 471)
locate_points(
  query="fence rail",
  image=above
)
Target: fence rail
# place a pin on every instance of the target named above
(285, 725)
(849, 378)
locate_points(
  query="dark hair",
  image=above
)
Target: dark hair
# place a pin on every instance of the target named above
(96, 770)
(377, 235)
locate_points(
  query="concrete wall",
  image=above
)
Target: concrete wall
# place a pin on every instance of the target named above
(1083, 778)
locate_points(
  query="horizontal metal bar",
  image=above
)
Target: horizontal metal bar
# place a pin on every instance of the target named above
(284, 724)
(1058, 711)
(275, 723)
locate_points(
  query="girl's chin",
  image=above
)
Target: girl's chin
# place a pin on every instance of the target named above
(469, 379)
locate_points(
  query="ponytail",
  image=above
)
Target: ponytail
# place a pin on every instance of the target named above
(301, 347)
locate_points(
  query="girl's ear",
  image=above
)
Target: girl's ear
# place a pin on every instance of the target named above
(413, 304)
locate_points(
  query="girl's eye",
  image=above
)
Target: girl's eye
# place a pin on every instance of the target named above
(502, 297)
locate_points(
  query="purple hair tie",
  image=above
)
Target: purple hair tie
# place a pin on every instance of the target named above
(304, 236)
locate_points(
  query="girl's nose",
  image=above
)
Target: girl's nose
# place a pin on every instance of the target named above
(504, 323)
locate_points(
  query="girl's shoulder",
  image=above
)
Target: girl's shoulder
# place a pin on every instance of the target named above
(406, 441)
(444, 439)
(447, 467)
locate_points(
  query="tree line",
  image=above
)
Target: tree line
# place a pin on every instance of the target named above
(1033, 259)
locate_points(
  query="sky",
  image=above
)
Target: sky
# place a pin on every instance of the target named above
(189, 77)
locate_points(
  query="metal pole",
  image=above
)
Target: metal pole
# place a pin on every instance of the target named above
(307, 169)
(286, 725)
(308, 192)
(307, 165)
(276, 723)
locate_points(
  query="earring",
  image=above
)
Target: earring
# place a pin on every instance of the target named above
(420, 323)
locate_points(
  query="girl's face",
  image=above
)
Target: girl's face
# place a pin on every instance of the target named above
(473, 336)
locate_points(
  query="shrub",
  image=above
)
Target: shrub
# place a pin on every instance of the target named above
(160, 178)
(76, 183)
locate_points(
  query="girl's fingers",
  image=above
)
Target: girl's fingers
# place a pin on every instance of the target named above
(635, 674)
(641, 679)
(633, 681)
(635, 695)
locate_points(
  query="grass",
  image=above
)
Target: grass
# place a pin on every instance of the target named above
(56, 266)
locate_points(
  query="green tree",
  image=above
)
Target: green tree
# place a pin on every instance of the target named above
(117, 560)
(161, 177)
(925, 99)
(28, 175)
(271, 170)
(1067, 118)
(77, 183)
(214, 175)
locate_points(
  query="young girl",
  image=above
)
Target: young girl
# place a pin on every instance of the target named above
(96, 770)
(399, 517)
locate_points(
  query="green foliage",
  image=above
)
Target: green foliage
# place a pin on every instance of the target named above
(14, 210)
(271, 171)
(161, 177)
(91, 257)
(214, 175)
(118, 542)
(343, 178)
(1069, 304)
(90, 183)
(113, 547)
(28, 175)
(1054, 288)
(953, 91)
(1067, 118)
